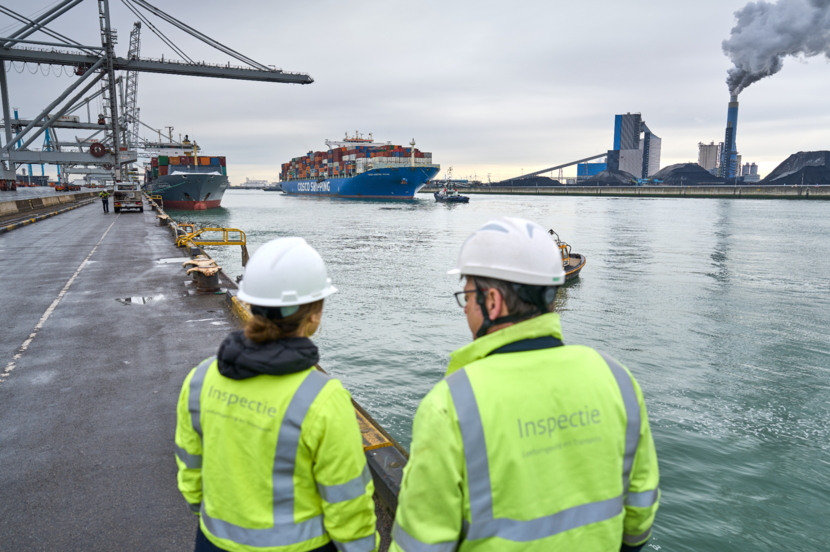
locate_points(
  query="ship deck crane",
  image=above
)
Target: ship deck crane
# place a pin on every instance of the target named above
(94, 64)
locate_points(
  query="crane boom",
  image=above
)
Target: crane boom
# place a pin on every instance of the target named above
(131, 102)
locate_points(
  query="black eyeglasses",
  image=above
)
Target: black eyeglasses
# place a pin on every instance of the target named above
(461, 296)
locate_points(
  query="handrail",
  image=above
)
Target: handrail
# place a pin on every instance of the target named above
(191, 237)
(223, 241)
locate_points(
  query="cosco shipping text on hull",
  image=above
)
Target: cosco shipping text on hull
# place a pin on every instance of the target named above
(391, 183)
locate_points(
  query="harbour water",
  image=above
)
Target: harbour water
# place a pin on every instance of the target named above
(719, 307)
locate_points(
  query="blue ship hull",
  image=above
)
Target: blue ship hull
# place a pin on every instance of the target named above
(193, 192)
(383, 183)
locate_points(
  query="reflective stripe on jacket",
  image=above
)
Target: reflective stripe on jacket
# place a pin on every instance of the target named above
(274, 463)
(545, 449)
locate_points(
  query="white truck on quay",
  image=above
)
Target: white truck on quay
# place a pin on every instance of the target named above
(127, 196)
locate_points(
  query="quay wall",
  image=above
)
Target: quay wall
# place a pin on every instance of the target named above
(733, 192)
(23, 205)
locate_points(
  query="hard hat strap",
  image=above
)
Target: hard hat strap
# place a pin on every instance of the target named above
(486, 323)
(274, 313)
(541, 296)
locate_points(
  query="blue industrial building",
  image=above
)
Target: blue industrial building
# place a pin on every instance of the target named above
(585, 171)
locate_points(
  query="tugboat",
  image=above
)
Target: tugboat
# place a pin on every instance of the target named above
(449, 193)
(573, 262)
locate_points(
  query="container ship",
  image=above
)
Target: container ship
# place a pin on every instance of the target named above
(358, 167)
(185, 180)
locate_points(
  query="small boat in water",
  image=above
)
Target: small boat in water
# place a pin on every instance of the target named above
(573, 262)
(449, 193)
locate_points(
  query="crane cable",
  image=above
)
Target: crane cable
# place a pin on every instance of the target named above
(156, 31)
(46, 30)
(33, 15)
(204, 38)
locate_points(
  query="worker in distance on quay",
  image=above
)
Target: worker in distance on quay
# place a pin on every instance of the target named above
(105, 199)
(542, 446)
(269, 451)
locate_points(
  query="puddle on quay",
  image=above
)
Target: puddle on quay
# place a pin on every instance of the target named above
(139, 300)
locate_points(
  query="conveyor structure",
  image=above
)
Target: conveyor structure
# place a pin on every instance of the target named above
(551, 169)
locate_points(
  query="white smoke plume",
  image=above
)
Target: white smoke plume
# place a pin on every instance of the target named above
(767, 33)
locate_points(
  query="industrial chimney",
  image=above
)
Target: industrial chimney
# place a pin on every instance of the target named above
(728, 165)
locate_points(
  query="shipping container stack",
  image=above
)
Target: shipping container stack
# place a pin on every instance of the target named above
(164, 165)
(344, 162)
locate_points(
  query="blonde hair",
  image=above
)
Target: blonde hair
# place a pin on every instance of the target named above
(260, 329)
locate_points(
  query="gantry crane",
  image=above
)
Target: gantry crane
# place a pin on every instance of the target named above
(94, 65)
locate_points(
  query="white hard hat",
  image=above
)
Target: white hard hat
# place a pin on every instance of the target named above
(284, 273)
(512, 249)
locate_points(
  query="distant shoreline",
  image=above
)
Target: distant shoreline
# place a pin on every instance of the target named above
(733, 192)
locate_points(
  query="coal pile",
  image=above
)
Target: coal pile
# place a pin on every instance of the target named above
(686, 174)
(610, 177)
(804, 167)
(529, 181)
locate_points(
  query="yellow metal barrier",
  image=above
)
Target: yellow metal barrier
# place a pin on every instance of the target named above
(185, 225)
(157, 199)
(191, 237)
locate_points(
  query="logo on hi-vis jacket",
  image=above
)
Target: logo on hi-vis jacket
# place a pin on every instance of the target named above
(237, 401)
(558, 423)
(563, 424)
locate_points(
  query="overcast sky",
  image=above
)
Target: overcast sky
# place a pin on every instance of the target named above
(487, 87)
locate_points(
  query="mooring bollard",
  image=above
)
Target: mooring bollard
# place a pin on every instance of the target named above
(206, 284)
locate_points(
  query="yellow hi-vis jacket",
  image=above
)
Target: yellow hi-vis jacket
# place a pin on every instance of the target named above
(536, 449)
(274, 463)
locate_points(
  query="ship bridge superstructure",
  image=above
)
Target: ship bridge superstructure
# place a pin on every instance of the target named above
(351, 142)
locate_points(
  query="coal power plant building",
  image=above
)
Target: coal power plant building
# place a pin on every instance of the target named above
(708, 156)
(636, 148)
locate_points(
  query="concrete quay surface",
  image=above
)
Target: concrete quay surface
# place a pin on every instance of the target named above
(89, 382)
(726, 192)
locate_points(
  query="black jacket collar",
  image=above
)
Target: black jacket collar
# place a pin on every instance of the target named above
(240, 358)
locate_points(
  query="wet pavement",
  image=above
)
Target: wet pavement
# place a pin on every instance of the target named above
(87, 411)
